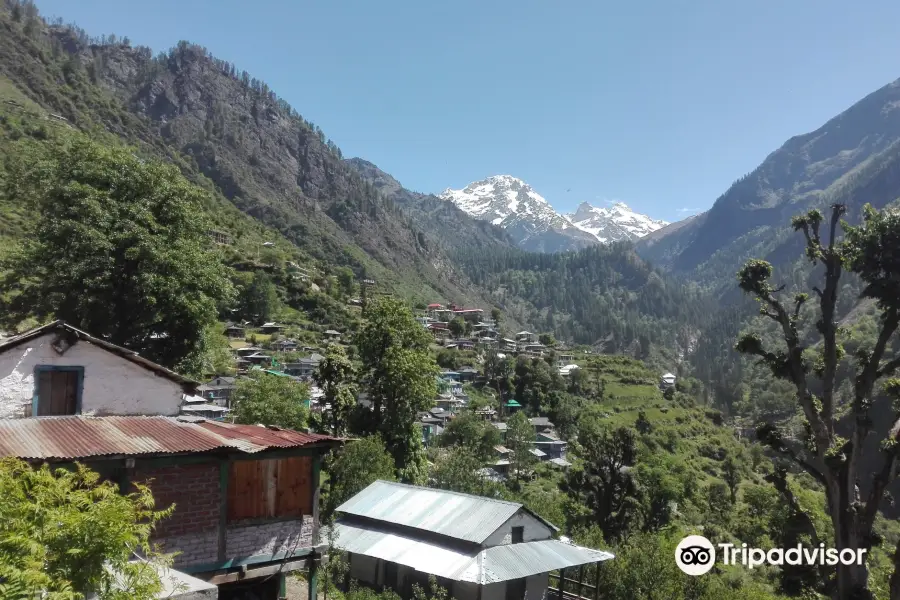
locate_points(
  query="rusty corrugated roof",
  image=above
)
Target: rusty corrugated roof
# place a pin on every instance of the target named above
(76, 437)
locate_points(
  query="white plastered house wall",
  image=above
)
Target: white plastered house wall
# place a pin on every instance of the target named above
(111, 384)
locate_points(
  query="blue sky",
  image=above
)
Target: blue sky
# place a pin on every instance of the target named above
(659, 104)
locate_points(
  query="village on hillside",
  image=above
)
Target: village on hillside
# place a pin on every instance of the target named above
(135, 420)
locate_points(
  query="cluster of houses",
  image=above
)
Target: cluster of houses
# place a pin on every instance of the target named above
(452, 400)
(547, 446)
(247, 496)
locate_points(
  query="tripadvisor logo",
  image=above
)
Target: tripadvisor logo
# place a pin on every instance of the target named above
(695, 555)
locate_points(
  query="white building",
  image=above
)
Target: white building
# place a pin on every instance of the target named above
(667, 381)
(397, 535)
(60, 370)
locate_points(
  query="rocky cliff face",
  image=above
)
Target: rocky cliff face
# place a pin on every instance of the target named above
(229, 129)
(442, 221)
(853, 158)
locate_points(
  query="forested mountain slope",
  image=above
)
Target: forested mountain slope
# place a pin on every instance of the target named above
(442, 221)
(231, 132)
(854, 158)
(604, 295)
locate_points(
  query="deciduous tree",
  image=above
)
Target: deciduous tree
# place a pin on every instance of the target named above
(400, 376)
(355, 466)
(870, 251)
(335, 375)
(266, 399)
(120, 250)
(604, 481)
(520, 441)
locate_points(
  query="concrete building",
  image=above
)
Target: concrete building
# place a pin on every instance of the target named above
(246, 496)
(397, 535)
(60, 370)
(667, 381)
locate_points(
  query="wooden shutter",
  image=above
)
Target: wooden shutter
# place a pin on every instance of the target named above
(270, 489)
(57, 393)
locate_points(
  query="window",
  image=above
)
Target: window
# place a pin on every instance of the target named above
(275, 488)
(57, 391)
(518, 535)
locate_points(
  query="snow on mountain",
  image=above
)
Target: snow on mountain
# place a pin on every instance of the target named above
(613, 224)
(503, 199)
(533, 223)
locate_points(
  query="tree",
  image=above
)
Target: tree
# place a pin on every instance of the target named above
(520, 441)
(457, 470)
(400, 375)
(335, 375)
(497, 316)
(604, 482)
(473, 433)
(212, 357)
(498, 371)
(457, 327)
(448, 359)
(64, 533)
(869, 251)
(547, 339)
(732, 472)
(346, 281)
(354, 467)
(643, 424)
(259, 298)
(120, 250)
(266, 399)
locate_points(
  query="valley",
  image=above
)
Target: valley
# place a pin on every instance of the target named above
(457, 341)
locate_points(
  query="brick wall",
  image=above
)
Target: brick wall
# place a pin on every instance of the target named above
(270, 538)
(194, 489)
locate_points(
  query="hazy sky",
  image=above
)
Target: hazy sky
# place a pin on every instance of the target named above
(659, 104)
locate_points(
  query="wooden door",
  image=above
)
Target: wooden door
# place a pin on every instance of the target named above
(57, 392)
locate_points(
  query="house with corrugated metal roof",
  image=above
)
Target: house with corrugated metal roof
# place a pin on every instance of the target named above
(58, 369)
(246, 497)
(396, 536)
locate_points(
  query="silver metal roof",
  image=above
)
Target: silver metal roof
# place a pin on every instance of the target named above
(460, 516)
(490, 565)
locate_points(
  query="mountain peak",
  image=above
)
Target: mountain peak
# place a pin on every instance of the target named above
(512, 204)
(613, 224)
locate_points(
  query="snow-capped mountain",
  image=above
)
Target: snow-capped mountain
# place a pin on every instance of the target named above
(533, 223)
(613, 224)
(525, 215)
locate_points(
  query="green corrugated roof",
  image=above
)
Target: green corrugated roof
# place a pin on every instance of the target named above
(513, 403)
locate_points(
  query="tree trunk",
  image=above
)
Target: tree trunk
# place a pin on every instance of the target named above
(851, 581)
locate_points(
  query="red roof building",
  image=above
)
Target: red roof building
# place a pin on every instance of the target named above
(246, 496)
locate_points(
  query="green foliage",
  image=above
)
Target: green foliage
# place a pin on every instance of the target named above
(457, 469)
(259, 298)
(346, 281)
(120, 250)
(472, 432)
(212, 357)
(457, 327)
(519, 438)
(266, 399)
(64, 534)
(604, 482)
(352, 468)
(400, 376)
(644, 569)
(603, 295)
(335, 376)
